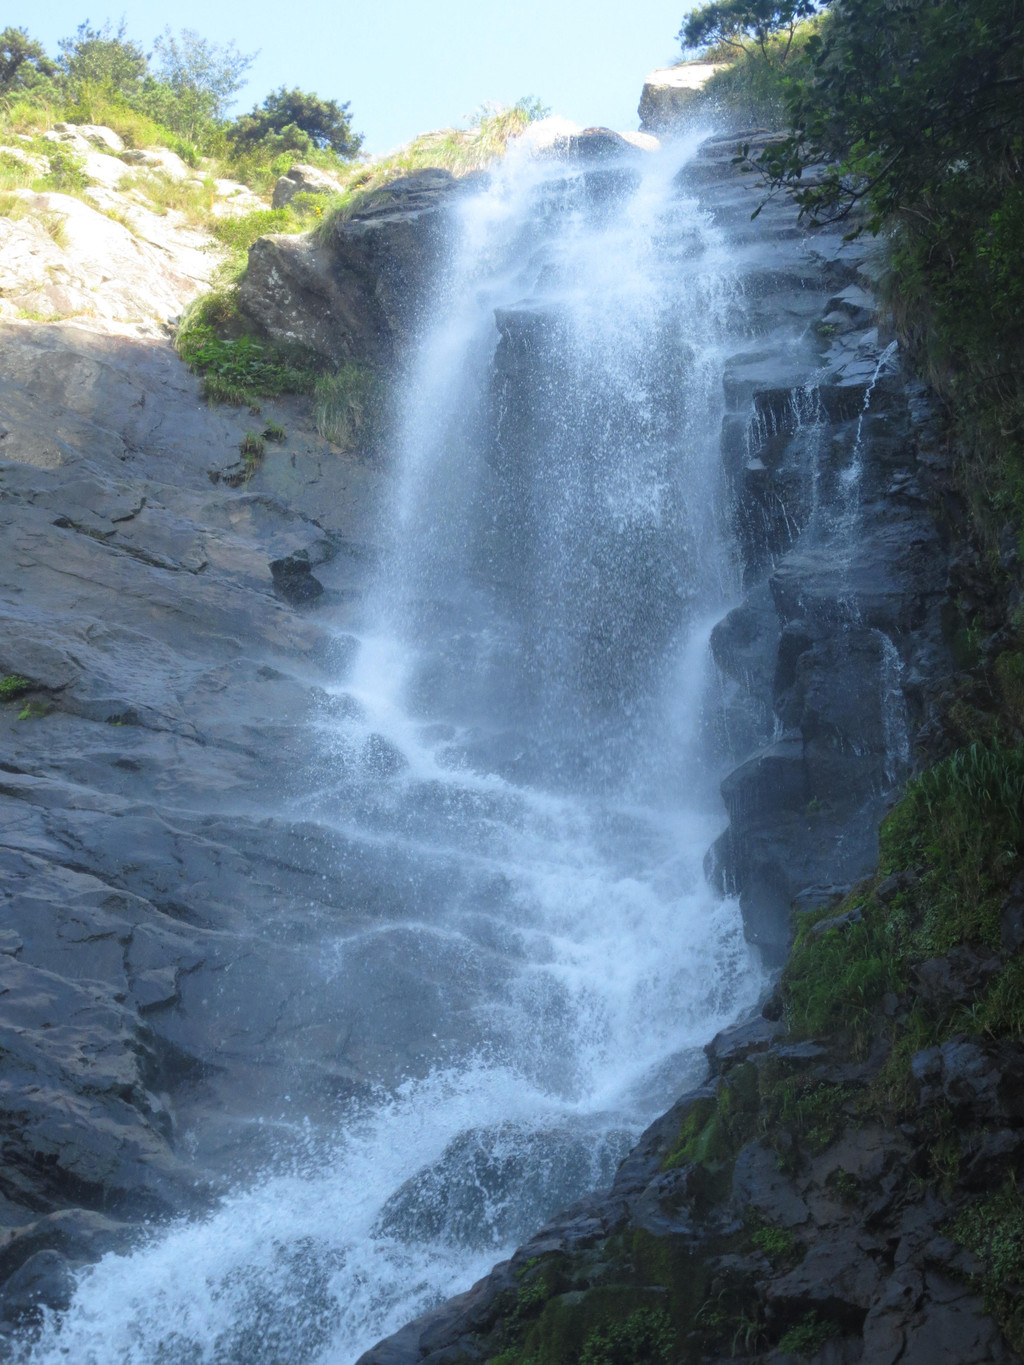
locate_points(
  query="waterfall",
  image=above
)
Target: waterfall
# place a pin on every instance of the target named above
(521, 753)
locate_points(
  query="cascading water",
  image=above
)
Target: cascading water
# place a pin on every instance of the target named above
(520, 753)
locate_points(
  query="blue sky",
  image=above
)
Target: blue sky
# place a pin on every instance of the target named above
(407, 67)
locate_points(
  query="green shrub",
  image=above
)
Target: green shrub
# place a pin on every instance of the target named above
(778, 1244)
(238, 369)
(645, 1337)
(238, 234)
(67, 171)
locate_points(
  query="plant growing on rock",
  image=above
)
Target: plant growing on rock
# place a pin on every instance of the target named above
(67, 171)
(13, 685)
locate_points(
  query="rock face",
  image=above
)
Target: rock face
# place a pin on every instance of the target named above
(302, 179)
(820, 1242)
(115, 257)
(830, 656)
(355, 292)
(669, 93)
(165, 675)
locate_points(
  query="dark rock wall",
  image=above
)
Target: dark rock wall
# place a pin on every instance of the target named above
(355, 291)
(830, 656)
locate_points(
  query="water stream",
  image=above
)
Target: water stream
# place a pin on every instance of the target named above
(522, 749)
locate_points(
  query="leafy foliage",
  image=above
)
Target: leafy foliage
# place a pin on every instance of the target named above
(324, 123)
(196, 81)
(994, 1230)
(24, 64)
(105, 57)
(908, 115)
(12, 685)
(747, 26)
(645, 1337)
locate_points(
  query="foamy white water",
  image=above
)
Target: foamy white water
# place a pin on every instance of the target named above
(525, 726)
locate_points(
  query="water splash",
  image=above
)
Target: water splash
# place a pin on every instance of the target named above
(519, 757)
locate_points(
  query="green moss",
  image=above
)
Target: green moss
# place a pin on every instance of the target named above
(834, 981)
(12, 685)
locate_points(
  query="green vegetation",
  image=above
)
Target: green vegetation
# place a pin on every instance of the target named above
(748, 27)
(34, 710)
(239, 369)
(808, 1336)
(293, 120)
(778, 1244)
(644, 1337)
(993, 1229)
(959, 833)
(13, 685)
(347, 405)
(177, 96)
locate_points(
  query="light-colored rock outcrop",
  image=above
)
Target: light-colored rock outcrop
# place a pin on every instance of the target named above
(115, 256)
(67, 258)
(303, 179)
(670, 91)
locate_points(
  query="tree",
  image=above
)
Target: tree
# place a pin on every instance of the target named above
(325, 122)
(903, 103)
(103, 57)
(737, 23)
(23, 62)
(202, 74)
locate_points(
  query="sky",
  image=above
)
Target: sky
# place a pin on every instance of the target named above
(408, 67)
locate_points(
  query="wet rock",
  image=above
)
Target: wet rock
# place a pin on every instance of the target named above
(743, 1040)
(670, 92)
(44, 1281)
(758, 1184)
(598, 144)
(987, 1079)
(838, 922)
(294, 580)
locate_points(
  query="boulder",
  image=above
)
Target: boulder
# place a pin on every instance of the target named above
(669, 93)
(355, 293)
(303, 179)
(95, 133)
(160, 159)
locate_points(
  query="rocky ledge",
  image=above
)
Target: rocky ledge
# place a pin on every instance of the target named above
(777, 1213)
